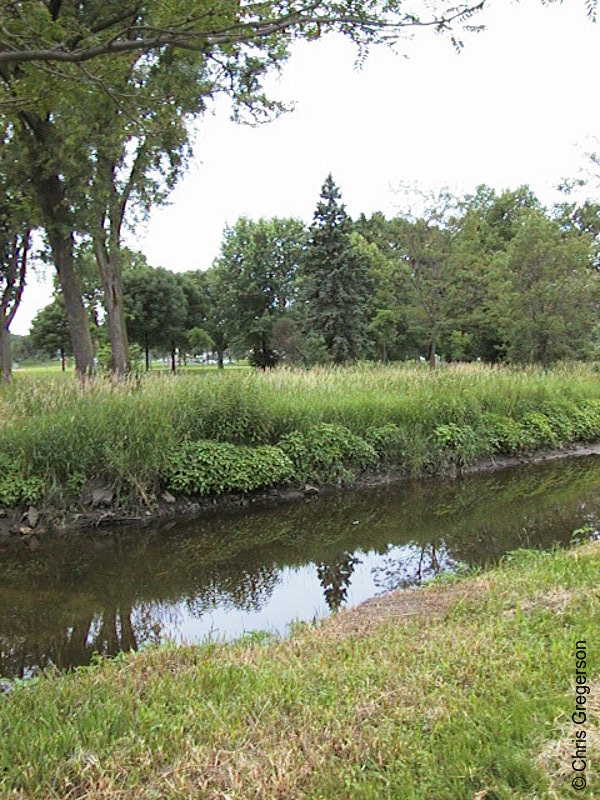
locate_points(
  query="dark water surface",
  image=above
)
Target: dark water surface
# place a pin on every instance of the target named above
(261, 570)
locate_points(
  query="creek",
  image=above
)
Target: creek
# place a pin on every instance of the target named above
(232, 573)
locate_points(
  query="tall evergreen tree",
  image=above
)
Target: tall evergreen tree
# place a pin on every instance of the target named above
(336, 284)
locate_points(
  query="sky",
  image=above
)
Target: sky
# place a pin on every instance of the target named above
(516, 106)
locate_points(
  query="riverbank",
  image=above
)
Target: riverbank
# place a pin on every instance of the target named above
(145, 449)
(27, 529)
(465, 688)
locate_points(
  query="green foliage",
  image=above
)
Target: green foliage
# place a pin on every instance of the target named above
(200, 341)
(331, 422)
(390, 442)
(507, 435)
(538, 430)
(586, 420)
(257, 272)
(50, 329)
(18, 488)
(336, 282)
(542, 293)
(155, 307)
(208, 467)
(460, 443)
(327, 452)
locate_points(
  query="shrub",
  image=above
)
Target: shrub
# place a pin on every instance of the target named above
(326, 452)
(390, 442)
(506, 434)
(586, 420)
(208, 467)
(538, 430)
(17, 488)
(458, 443)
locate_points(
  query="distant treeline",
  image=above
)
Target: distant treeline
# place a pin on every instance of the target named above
(488, 276)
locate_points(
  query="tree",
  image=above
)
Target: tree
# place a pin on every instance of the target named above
(217, 312)
(545, 293)
(50, 331)
(155, 308)
(485, 225)
(14, 249)
(257, 268)
(39, 33)
(392, 295)
(336, 284)
(111, 122)
(199, 341)
(193, 285)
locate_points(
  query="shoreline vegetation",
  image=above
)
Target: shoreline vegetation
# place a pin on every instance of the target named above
(480, 668)
(143, 448)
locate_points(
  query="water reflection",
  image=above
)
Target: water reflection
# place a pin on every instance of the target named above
(413, 565)
(335, 577)
(261, 570)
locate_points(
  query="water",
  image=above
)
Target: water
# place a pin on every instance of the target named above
(261, 570)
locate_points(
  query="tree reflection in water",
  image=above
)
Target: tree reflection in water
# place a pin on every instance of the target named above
(119, 590)
(334, 577)
(411, 565)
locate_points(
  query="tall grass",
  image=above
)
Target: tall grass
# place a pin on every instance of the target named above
(126, 433)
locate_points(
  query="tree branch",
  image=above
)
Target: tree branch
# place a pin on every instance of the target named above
(147, 40)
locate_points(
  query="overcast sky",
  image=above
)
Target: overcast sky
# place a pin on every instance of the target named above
(518, 105)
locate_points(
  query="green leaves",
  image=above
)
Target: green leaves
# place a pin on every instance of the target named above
(327, 452)
(16, 487)
(209, 467)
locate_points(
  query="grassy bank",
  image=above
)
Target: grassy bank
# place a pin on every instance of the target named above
(460, 690)
(240, 431)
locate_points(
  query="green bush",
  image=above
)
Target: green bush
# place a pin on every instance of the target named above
(560, 418)
(17, 488)
(506, 434)
(459, 444)
(326, 452)
(538, 430)
(586, 420)
(208, 467)
(390, 442)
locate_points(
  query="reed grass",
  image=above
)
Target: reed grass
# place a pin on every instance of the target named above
(123, 434)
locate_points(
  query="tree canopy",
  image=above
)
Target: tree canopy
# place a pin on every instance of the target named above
(65, 33)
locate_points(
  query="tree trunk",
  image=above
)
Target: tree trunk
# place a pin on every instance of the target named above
(108, 266)
(220, 358)
(62, 359)
(173, 359)
(16, 270)
(431, 354)
(79, 330)
(48, 186)
(5, 354)
(147, 352)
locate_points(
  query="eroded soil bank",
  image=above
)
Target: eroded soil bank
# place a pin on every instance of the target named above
(98, 509)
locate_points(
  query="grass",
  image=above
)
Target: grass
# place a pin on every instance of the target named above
(462, 690)
(56, 437)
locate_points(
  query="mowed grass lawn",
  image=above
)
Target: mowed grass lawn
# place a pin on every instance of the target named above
(462, 690)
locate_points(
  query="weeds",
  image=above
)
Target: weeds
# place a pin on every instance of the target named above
(126, 434)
